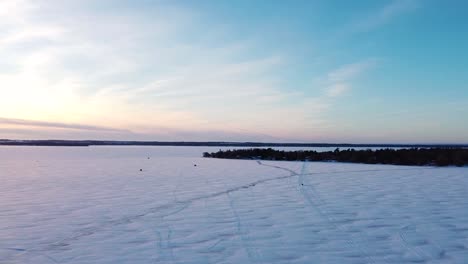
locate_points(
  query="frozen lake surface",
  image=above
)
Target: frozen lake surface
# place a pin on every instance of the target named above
(94, 205)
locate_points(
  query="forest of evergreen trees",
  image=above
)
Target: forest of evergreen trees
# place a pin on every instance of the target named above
(412, 156)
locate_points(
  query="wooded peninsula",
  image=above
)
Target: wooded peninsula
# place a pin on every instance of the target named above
(411, 156)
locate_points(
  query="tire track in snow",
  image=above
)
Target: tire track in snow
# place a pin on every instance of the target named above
(343, 171)
(309, 199)
(164, 241)
(373, 170)
(29, 251)
(63, 243)
(404, 234)
(409, 232)
(162, 210)
(252, 253)
(311, 195)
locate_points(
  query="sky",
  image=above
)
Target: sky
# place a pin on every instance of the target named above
(375, 71)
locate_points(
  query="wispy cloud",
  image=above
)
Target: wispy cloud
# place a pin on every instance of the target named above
(351, 71)
(339, 81)
(337, 89)
(43, 124)
(384, 15)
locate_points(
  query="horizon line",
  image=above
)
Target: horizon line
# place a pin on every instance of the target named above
(93, 142)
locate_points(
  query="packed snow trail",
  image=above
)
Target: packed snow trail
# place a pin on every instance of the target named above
(316, 203)
(252, 253)
(405, 234)
(164, 231)
(161, 212)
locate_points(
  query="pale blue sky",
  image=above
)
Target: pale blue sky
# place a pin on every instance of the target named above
(318, 71)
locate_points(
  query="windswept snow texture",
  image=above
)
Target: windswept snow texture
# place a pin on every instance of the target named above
(94, 205)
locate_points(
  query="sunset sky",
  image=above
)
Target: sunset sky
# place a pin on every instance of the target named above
(315, 71)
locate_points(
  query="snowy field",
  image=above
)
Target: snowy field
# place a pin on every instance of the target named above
(94, 205)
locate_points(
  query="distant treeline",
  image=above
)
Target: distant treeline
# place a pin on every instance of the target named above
(81, 143)
(412, 156)
(51, 143)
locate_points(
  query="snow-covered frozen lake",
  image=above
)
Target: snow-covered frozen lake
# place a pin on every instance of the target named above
(94, 205)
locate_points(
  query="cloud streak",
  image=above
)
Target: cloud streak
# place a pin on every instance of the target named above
(384, 15)
(43, 124)
(339, 81)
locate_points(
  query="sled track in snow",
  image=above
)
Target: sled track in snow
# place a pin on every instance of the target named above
(30, 251)
(161, 212)
(316, 202)
(407, 232)
(252, 253)
(164, 233)
(404, 235)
